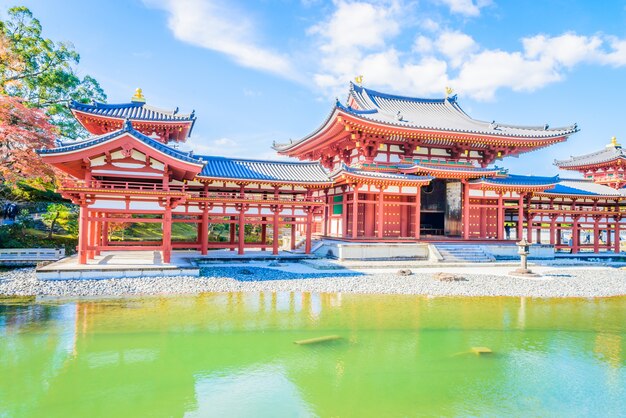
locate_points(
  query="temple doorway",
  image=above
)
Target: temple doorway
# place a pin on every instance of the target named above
(441, 208)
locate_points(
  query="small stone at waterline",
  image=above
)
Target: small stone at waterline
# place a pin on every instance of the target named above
(405, 272)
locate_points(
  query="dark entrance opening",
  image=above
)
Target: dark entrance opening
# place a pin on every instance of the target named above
(433, 208)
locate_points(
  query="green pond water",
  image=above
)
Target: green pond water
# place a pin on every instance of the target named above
(233, 355)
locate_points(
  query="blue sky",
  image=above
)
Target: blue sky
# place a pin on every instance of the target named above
(259, 71)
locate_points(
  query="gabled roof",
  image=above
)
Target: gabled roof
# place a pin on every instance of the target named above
(133, 111)
(127, 128)
(453, 170)
(426, 114)
(440, 114)
(610, 153)
(263, 170)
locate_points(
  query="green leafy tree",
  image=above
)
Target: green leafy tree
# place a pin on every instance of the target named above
(42, 72)
(60, 215)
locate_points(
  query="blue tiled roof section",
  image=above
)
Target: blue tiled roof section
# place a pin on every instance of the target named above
(133, 111)
(561, 189)
(515, 179)
(127, 129)
(263, 170)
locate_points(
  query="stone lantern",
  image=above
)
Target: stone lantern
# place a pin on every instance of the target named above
(523, 249)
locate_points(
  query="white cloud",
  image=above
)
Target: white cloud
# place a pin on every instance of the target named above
(455, 46)
(223, 147)
(465, 7)
(220, 27)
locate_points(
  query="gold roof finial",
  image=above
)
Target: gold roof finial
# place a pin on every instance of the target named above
(614, 143)
(138, 96)
(359, 79)
(449, 91)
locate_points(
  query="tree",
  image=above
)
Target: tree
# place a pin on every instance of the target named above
(42, 71)
(22, 131)
(58, 214)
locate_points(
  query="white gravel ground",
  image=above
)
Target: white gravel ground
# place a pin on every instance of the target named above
(561, 282)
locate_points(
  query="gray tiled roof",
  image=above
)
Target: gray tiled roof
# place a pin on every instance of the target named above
(377, 174)
(126, 129)
(279, 171)
(133, 110)
(607, 154)
(431, 114)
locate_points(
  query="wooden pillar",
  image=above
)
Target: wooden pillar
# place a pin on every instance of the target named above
(204, 232)
(167, 233)
(520, 216)
(263, 233)
(596, 235)
(293, 234)
(418, 213)
(309, 231)
(380, 212)
(98, 235)
(355, 212)
(82, 235)
(466, 210)
(617, 248)
(105, 231)
(575, 236)
(326, 214)
(500, 217)
(231, 233)
(275, 232)
(529, 227)
(344, 214)
(553, 231)
(242, 231)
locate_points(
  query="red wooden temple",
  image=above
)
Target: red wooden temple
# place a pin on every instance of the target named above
(381, 168)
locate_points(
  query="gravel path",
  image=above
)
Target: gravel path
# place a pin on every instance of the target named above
(561, 282)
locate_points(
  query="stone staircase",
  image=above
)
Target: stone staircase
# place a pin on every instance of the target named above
(463, 253)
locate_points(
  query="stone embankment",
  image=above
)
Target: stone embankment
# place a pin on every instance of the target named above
(561, 282)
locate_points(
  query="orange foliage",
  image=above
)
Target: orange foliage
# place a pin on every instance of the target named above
(22, 131)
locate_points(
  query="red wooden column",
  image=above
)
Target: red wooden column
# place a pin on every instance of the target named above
(275, 225)
(263, 232)
(381, 212)
(293, 234)
(418, 214)
(309, 230)
(355, 212)
(344, 213)
(204, 232)
(538, 231)
(500, 217)
(104, 241)
(231, 233)
(520, 216)
(242, 231)
(98, 235)
(167, 233)
(82, 234)
(596, 233)
(91, 235)
(466, 209)
(617, 247)
(553, 230)
(575, 235)
(326, 213)
(529, 220)
(309, 224)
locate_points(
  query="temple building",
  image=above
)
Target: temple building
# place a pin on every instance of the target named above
(380, 169)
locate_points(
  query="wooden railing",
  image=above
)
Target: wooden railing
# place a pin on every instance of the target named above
(123, 185)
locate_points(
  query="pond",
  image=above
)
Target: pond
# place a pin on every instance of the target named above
(233, 355)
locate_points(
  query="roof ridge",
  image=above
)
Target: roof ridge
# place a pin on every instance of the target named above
(255, 160)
